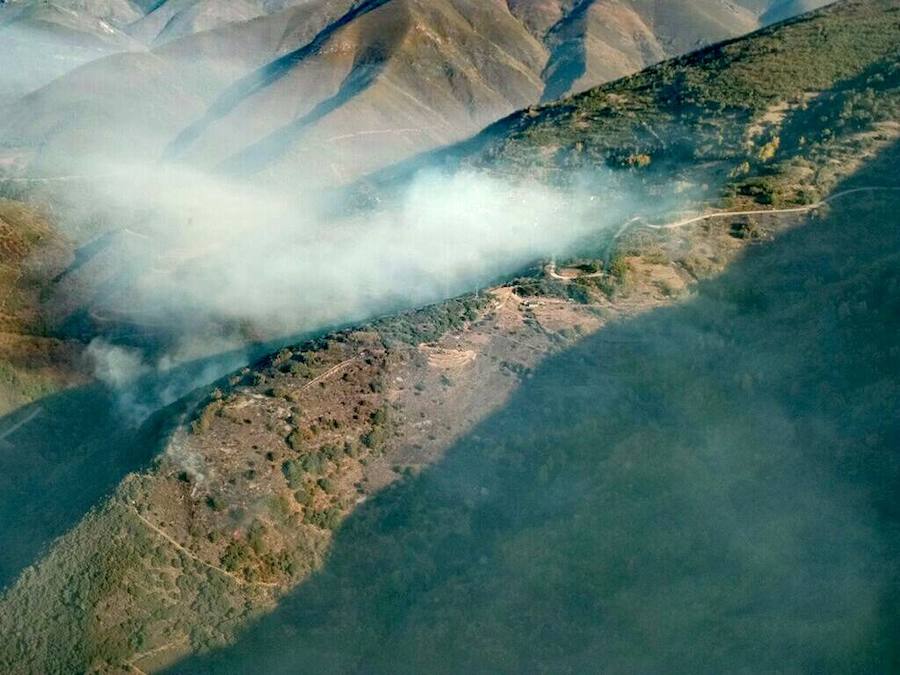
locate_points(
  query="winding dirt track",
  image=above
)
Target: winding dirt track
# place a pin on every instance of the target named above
(765, 212)
(18, 425)
(328, 373)
(154, 652)
(59, 179)
(551, 268)
(192, 556)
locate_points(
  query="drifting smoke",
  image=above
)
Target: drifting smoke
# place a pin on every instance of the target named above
(214, 262)
(120, 368)
(213, 249)
(115, 366)
(143, 385)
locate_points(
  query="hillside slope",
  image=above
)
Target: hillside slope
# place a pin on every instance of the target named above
(708, 487)
(42, 41)
(33, 362)
(748, 120)
(244, 503)
(348, 85)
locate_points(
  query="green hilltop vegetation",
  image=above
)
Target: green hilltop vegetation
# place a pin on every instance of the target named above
(755, 118)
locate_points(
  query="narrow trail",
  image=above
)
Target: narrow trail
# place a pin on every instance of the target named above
(328, 373)
(551, 272)
(192, 556)
(153, 652)
(759, 212)
(551, 267)
(58, 179)
(18, 425)
(383, 132)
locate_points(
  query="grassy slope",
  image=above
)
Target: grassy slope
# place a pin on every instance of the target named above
(32, 364)
(696, 114)
(708, 488)
(775, 119)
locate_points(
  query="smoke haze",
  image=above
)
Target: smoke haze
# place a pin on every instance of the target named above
(211, 263)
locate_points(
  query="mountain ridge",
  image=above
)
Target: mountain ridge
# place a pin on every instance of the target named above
(567, 58)
(255, 481)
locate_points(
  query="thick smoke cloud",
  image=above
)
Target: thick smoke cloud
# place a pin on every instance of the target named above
(219, 249)
(214, 262)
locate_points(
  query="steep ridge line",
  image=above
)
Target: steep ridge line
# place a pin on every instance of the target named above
(264, 77)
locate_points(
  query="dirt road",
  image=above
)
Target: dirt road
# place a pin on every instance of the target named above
(639, 220)
(764, 212)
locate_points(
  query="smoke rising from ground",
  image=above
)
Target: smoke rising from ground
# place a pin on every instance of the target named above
(197, 255)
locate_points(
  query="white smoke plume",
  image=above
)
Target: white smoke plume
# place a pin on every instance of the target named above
(214, 262)
(202, 249)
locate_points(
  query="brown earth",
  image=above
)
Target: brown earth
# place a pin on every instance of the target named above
(32, 364)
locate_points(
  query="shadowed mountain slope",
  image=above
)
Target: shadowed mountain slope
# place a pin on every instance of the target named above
(707, 487)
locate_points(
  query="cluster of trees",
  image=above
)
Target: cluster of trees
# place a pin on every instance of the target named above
(430, 323)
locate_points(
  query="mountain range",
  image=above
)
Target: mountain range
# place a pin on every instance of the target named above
(320, 91)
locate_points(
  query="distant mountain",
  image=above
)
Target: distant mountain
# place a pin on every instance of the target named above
(40, 41)
(323, 90)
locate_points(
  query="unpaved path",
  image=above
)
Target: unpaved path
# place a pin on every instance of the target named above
(154, 652)
(328, 373)
(18, 425)
(764, 212)
(551, 267)
(59, 179)
(192, 556)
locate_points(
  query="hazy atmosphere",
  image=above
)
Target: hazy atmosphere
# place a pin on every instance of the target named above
(407, 336)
